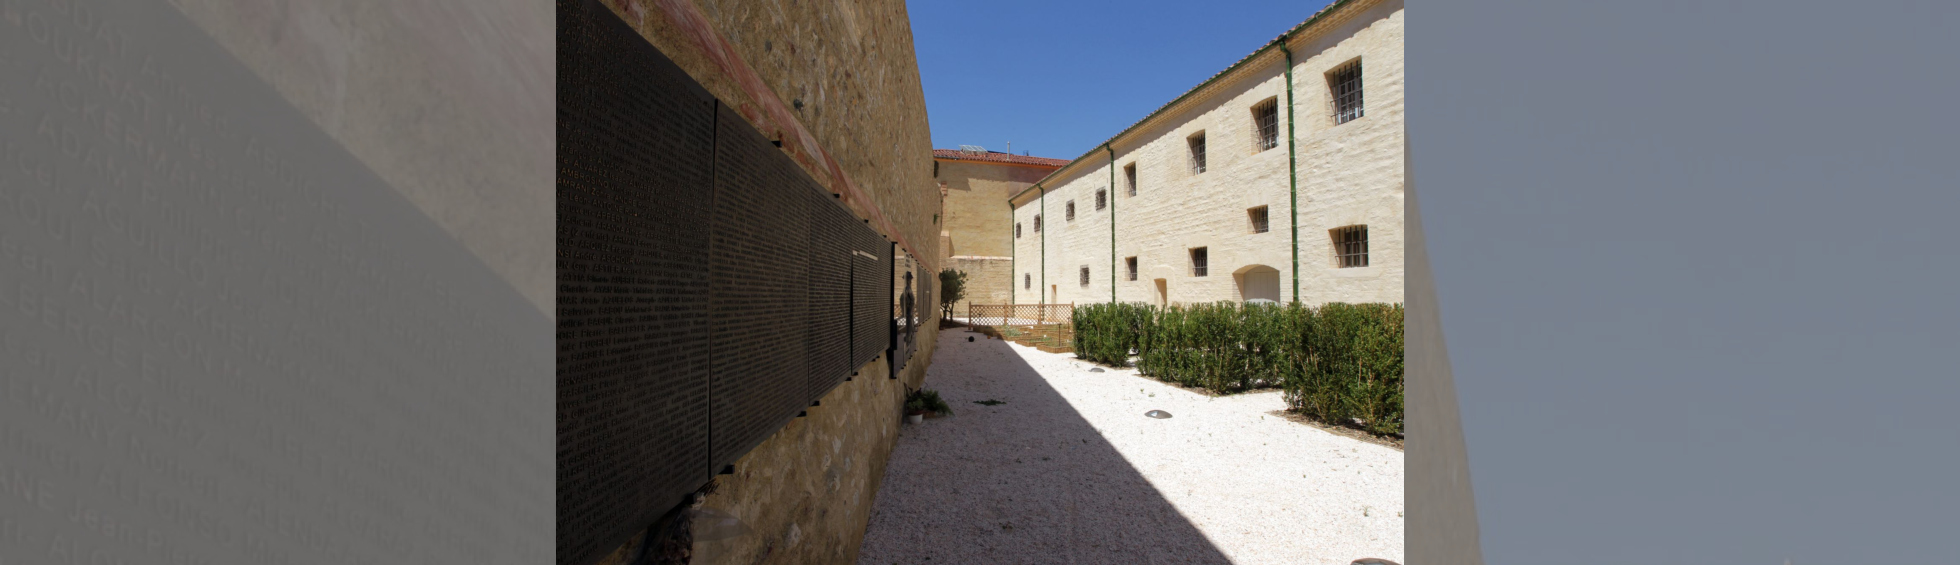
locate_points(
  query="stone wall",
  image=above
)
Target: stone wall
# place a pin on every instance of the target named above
(398, 83)
(844, 73)
(977, 221)
(977, 232)
(987, 280)
(1348, 174)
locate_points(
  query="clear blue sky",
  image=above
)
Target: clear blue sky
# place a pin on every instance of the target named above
(1057, 78)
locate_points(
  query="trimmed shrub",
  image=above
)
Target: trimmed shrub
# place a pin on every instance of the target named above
(1337, 363)
(1262, 341)
(1354, 368)
(1107, 333)
(1217, 363)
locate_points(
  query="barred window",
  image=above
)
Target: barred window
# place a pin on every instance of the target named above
(1037, 223)
(1085, 275)
(1130, 174)
(1257, 215)
(1344, 82)
(1265, 117)
(1027, 280)
(1198, 260)
(1351, 246)
(1102, 199)
(1197, 143)
(1017, 230)
(1069, 213)
(1131, 264)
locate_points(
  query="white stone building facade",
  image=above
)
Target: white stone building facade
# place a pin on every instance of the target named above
(1342, 190)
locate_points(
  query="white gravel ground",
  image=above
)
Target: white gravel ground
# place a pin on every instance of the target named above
(1070, 470)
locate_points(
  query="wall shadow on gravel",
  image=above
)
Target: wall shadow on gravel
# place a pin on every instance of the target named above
(1028, 481)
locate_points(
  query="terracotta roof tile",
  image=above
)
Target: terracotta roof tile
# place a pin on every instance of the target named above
(997, 157)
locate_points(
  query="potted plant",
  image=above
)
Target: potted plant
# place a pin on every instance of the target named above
(915, 410)
(921, 402)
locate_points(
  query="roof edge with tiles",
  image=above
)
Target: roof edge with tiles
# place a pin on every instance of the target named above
(1002, 158)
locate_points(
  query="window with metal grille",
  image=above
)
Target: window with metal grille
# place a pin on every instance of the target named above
(1017, 230)
(1037, 223)
(1102, 199)
(1198, 260)
(1085, 275)
(1197, 143)
(1265, 116)
(1131, 264)
(1344, 82)
(1351, 246)
(1130, 174)
(1258, 216)
(1069, 213)
(1027, 280)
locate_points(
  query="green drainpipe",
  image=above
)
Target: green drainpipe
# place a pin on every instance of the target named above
(1112, 222)
(1043, 296)
(1292, 170)
(1013, 255)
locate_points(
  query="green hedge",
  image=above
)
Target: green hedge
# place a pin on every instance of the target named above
(1335, 363)
(1105, 333)
(1354, 369)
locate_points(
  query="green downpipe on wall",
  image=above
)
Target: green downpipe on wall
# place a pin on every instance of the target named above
(1292, 169)
(1112, 222)
(1013, 256)
(1042, 296)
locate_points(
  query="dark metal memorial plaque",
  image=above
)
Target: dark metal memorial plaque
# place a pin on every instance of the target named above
(709, 289)
(871, 292)
(635, 166)
(760, 284)
(829, 334)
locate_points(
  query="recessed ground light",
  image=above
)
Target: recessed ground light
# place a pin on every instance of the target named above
(1096, 370)
(1158, 414)
(1373, 561)
(969, 339)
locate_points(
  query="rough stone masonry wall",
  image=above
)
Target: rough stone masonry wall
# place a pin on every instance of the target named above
(978, 225)
(1349, 174)
(977, 218)
(847, 73)
(987, 281)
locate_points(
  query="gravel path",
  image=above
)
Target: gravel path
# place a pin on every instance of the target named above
(1069, 470)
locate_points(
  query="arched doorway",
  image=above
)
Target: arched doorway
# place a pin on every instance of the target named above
(1258, 282)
